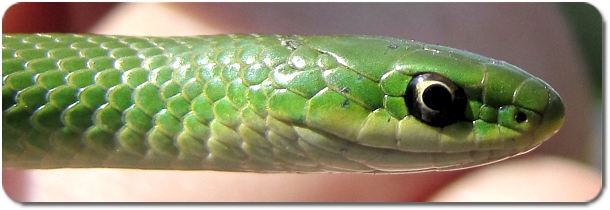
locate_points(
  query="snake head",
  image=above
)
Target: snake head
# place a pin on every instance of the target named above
(429, 107)
(509, 109)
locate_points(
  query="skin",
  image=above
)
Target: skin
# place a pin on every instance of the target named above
(578, 182)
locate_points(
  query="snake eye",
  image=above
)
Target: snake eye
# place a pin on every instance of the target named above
(435, 99)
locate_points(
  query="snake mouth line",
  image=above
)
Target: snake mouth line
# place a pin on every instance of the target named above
(440, 161)
(352, 156)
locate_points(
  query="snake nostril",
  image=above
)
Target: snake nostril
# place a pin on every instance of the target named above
(521, 117)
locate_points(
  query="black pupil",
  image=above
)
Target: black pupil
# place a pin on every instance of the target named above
(437, 97)
(520, 117)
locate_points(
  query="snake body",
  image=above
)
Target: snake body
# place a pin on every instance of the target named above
(264, 103)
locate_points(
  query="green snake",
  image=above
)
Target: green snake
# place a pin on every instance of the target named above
(264, 103)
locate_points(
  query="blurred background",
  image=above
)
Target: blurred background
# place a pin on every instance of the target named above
(558, 42)
(585, 23)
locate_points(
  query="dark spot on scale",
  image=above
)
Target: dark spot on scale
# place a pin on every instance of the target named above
(290, 44)
(344, 90)
(345, 103)
(392, 47)
(360, 77)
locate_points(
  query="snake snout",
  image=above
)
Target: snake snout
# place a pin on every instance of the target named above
(553, 117)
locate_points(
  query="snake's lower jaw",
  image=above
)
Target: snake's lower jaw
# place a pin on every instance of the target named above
(475, 158)
(553, 117)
